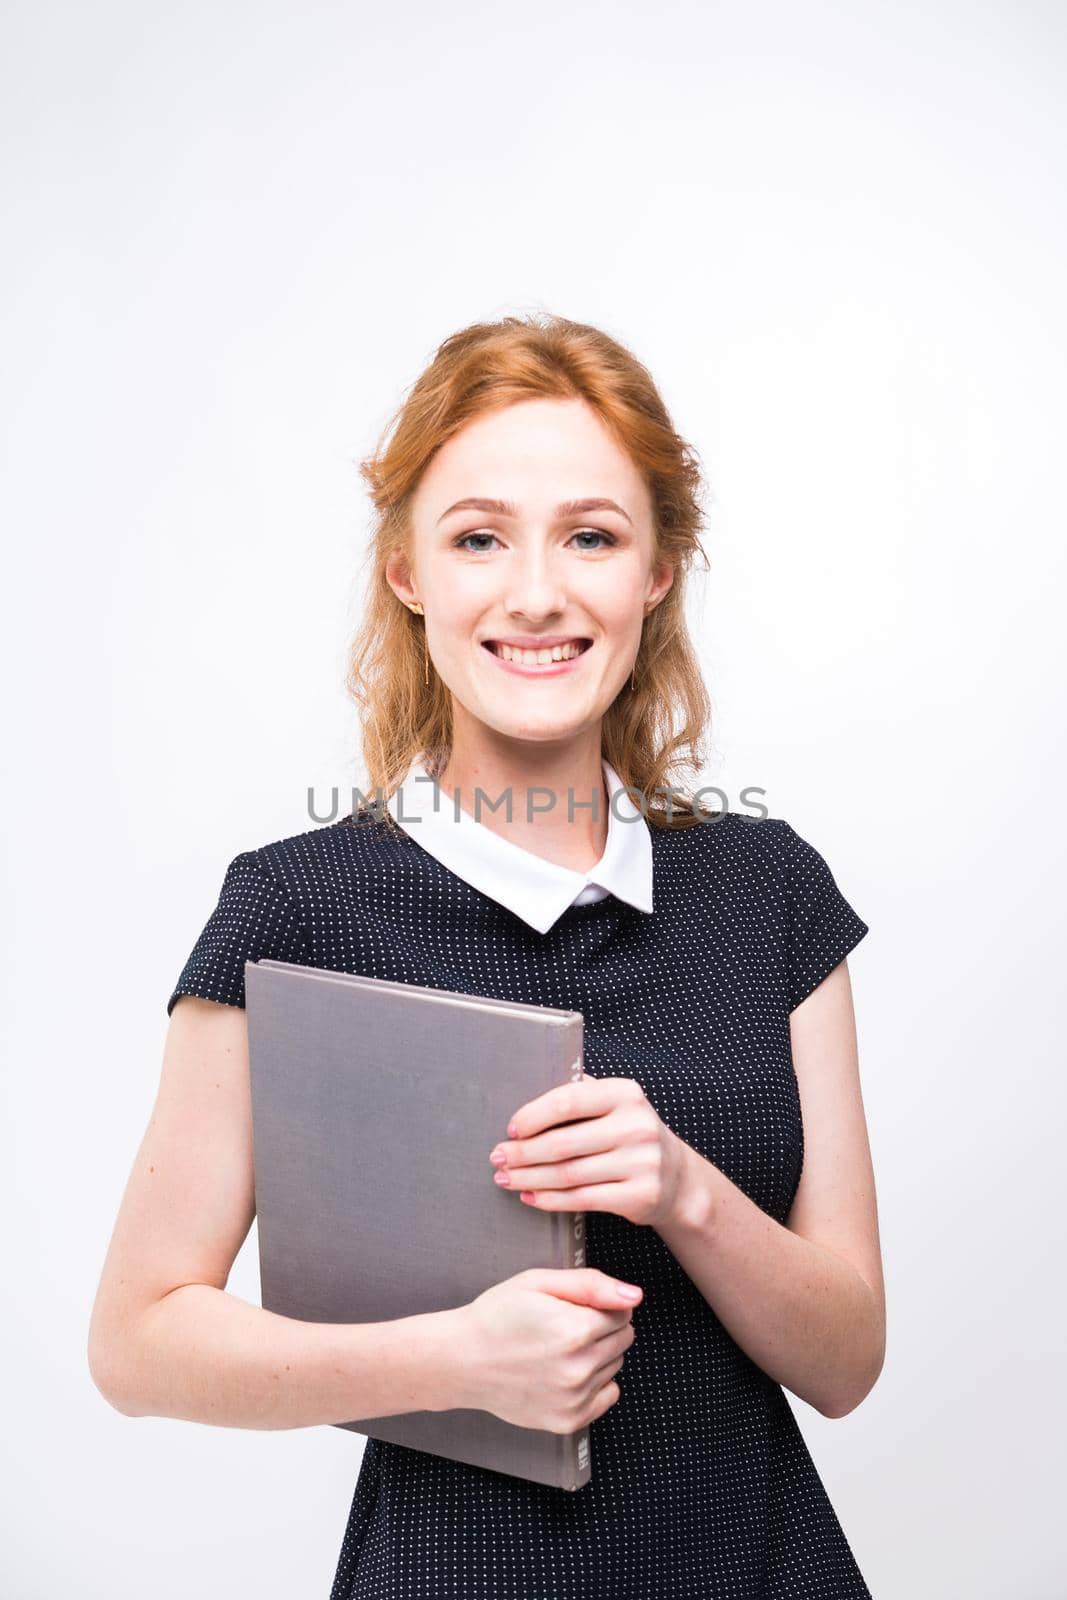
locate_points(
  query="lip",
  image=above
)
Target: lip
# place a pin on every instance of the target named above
(538, 641)
(550, 669)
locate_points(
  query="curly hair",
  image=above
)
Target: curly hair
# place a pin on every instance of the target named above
(651, 736)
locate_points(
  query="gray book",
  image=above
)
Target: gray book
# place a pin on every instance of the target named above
(374, 1108)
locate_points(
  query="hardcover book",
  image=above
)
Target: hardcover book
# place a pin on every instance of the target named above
(374, 1108)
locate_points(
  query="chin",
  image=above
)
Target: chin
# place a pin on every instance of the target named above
(543, 730)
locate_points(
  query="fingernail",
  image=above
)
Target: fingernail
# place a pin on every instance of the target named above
(498, 1157)
(627, 1292)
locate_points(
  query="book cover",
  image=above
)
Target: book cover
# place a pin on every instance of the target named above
(374, 1108)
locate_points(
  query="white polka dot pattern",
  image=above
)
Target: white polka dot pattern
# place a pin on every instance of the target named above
(702, 1483)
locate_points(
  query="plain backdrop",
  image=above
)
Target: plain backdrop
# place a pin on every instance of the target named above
(835, 233)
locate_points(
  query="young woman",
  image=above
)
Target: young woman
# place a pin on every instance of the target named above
(525, 645)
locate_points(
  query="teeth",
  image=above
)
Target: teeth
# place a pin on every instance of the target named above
(535, 658)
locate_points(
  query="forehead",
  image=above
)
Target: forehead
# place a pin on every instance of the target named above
(533, 452)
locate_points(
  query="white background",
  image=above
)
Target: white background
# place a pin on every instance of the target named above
(836, 234)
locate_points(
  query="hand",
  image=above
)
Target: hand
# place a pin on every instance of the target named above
(595, 1145)
(542, 1348)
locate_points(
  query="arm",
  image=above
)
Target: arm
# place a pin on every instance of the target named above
(166, 1339)
(805, 1300)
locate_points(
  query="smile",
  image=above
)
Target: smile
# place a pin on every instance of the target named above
(545, 662)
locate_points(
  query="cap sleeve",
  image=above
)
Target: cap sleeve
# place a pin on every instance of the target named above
(823, 927)
(254, 918)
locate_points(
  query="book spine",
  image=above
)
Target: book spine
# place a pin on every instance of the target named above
(575, 1446)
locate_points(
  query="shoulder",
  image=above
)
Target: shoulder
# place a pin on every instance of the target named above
(764, 854)
(730, 842)
(733, 867)
(300, 864)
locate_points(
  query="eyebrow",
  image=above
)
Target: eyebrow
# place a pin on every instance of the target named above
(507, 508)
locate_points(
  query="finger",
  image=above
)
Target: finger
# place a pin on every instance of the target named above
(590, 1136)
(587, 1097)
(603, 1374)
(594, 1197)
(589, 1286)
(604, 1168)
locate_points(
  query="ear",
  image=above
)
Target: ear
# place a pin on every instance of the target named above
(661, 580)
(398, 577)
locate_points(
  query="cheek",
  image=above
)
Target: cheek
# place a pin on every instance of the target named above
(468, 588)
(620, 582)
(619, 601)
(462, 602)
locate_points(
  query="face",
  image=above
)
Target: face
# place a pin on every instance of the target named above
(529, 564)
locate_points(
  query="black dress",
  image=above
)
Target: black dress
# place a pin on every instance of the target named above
(702, 1484)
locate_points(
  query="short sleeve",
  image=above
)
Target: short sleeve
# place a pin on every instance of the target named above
(254, 918)
(823, 927)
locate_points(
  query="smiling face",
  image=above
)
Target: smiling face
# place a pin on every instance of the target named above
(533, 529)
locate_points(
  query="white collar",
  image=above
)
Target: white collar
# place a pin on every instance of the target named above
(536, 890)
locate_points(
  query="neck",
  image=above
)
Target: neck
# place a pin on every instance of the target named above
(549, 798)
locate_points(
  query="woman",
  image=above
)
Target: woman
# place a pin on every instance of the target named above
(525, 645)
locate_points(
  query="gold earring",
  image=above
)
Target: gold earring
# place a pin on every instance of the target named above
(633, 683)
(417, 608)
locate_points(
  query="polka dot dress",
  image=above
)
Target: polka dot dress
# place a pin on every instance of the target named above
(702, 1484)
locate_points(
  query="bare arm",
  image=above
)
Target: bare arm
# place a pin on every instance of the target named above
(806, 1300)
(166, 1339)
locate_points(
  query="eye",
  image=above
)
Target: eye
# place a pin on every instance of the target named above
(597, 533)
(461, 542)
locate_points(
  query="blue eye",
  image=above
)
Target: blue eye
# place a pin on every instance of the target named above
(598, 533)
(461, 542)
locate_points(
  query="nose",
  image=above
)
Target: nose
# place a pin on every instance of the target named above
(534, 589)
